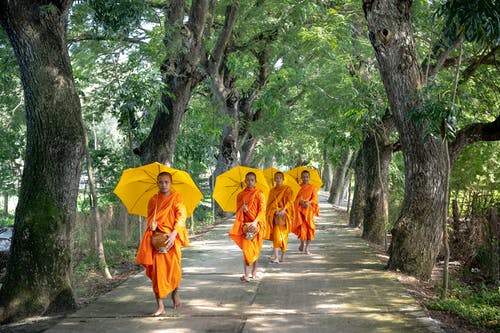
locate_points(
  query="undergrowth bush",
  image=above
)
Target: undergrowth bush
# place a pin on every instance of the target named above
(480, 306)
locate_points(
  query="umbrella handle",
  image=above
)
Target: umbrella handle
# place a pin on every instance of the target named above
(154, 224)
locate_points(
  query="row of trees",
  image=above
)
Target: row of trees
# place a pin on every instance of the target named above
(206, 85)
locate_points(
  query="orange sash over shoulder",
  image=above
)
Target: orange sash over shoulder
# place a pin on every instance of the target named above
(164, 270)
(255, 201)
(304, 226)
(279, 197)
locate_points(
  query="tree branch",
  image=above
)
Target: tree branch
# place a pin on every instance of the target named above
(89, 36)
(484, 59)
(474, 133)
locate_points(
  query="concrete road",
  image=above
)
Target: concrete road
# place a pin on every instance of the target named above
(340, 287)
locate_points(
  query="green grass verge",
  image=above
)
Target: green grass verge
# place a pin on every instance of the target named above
(479, 306)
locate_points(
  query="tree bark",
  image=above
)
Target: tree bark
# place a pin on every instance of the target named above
(5, 203)
(97, 221)
(359, 198)
(417, 232)
(338, 183)
(180, 75)
(326, 174)
(39, 271)
(224, 90)
(378, 153)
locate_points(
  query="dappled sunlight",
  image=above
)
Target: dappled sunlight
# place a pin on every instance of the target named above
(340, 287)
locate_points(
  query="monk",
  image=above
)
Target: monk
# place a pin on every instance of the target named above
(280, 207)
(306, 207)
(250, 215)
(166, 214)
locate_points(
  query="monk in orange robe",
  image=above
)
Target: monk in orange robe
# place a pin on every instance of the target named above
(306, 207)
(280, 205)
(166, 214)
(250, 214)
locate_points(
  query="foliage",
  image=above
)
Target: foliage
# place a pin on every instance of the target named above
(435, 111)
(477, 20)
(480, 306)
(477, 168)
(12, 127)
(396, 184)
(6, 220)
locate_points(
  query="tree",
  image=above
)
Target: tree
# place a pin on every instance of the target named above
(377, 153)
(417, 233)
(180, 74)
(39, 271)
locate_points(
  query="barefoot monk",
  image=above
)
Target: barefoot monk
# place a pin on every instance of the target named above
(249, 225)
(280, 216)
(160, 248)
(306, 207)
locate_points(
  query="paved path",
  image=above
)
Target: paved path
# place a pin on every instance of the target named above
(340, 287)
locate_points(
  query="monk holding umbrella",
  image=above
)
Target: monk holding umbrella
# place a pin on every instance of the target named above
(166, 196)
(242, 190)
(280, 211)
(306, 208)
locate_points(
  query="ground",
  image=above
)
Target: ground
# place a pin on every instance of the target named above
(95, 285)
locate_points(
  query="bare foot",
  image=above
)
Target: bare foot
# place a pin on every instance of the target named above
(256, 276)
(308, 252)
(244, 278)
(275, 261)
(301, 247)
(176, 299)
(158, 312)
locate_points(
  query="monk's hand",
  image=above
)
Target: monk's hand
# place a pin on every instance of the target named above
(253, 227)
(245, 208)
(171, 239)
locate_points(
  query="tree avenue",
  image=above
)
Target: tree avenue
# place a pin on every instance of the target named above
(208, 85)
(40, 268)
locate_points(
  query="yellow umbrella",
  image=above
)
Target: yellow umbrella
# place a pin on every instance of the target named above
(138, 185)
(269, 174)
(230, 183)
(315, 179)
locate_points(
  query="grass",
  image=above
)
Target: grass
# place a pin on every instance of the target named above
(480, 306)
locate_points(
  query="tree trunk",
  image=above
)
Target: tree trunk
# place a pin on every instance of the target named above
(247, 149)
(248, 141)
(180, 75)
(417, 233)
(338, 183)
(228, 151)
(326, 174)
(123, 220)
(39, 271)
(97, 221)
(5, 203)
(359, 198)
(494, 237)
(376, 214)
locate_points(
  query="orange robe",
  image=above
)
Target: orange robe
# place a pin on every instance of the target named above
(279, 197)
(164, 269)
(304, 226)
(256, 204)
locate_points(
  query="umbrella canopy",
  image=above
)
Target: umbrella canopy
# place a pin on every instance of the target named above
(315, 179)
(138, 185)
(269, 175)
(230, 183)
